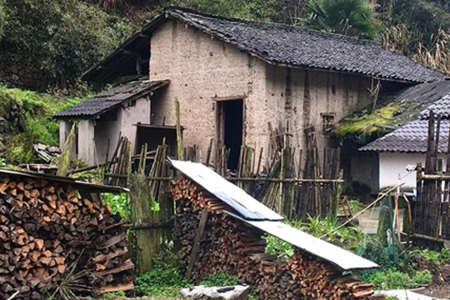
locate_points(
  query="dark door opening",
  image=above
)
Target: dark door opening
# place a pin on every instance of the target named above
(231, 115)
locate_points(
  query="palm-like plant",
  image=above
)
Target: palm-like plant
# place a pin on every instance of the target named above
(349, 17)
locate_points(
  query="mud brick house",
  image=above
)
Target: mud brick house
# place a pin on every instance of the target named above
(233, 77)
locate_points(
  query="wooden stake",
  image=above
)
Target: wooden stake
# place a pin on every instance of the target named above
(179, 135)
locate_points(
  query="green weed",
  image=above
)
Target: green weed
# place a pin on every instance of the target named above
(394, 279)
(161, 282)
(165, 279)
(118, 203)
(438, 258)
(220, 279)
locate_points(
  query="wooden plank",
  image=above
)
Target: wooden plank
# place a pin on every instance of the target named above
(197, 240)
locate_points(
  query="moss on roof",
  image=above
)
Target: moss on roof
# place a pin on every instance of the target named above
(367, 125)
(393, 111)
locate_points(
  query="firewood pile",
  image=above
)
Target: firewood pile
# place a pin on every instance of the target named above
(54, 239)
(229, 245)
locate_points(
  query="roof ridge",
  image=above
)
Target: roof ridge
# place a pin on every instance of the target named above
(283, 25)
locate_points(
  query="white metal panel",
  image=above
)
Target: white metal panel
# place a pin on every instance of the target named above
(247, 206)
(260, 216)
(315, 246)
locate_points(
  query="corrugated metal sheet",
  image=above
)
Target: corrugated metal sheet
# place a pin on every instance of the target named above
(260, 216)
(247, 206)
(338, 256)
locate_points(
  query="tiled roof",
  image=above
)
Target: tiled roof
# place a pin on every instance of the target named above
(440, 108)
(411, 137)
(110, 99)
(296, 46)
(293, 46)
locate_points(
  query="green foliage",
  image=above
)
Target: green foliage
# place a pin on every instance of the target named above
(392, 278)
(165, 279)
(118, 203)
(55, 41)
(220, 279)
(385, 255)
(349, 17)
(280, 248)
(260, 10)
(39, 125)
(349, 237)
(161, 282)
(438, 258)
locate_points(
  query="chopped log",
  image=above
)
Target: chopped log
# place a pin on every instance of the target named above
(48, 231)
(229, 245)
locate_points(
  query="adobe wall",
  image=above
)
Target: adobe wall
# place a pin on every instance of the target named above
(300, 96)
(107, 130)
(201, 68)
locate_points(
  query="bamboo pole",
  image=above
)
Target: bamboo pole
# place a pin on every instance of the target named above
(363, 210)
(179, 135)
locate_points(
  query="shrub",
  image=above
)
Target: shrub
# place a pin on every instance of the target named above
(67, 36)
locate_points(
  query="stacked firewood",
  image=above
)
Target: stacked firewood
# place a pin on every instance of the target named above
(229, 245)
(53, 239)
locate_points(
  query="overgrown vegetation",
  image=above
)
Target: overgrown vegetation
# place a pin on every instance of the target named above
(349, 237)
(50, 43)
(165, 279)
(28, 120)
(220, 279)
(118, 203)
(348, 17)
(368, 125)
(439, 258)
(394, 279)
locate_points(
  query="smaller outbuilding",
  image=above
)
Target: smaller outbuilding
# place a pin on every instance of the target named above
(104, 118)
(393, 157)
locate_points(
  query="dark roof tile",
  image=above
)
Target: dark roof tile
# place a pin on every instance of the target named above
(295, 46)
(411, 137)
(111, 99)
(286, 45)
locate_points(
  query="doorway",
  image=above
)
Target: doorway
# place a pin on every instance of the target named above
(230, 129)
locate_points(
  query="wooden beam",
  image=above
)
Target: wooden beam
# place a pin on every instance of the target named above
(197, 240)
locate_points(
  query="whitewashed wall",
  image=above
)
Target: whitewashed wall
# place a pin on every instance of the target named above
(393, 168)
